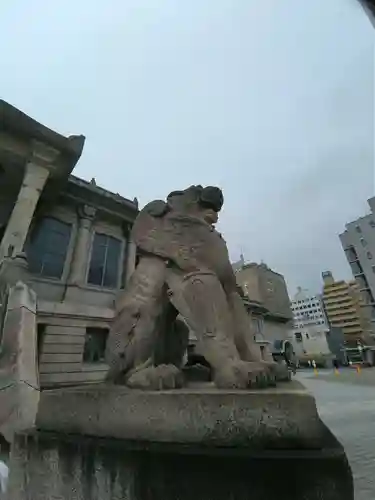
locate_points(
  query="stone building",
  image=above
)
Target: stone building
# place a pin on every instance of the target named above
(69, 237)
(267, 301)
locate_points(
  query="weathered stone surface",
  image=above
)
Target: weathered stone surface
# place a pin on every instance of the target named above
(184, 269)
(110, 442)
(281, 417)
(67, 467)
(19, 383)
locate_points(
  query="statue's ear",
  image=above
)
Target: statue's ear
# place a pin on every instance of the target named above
(156, 208)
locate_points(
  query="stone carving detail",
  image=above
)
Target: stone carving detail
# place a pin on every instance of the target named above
(87, 212)
(184, 268)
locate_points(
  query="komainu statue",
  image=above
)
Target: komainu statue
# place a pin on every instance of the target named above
(184, 271)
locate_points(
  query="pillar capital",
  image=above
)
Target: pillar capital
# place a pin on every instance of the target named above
(42, 154)
(86, 212)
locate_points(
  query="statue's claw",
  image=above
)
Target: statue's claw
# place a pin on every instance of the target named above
(279, 371)
(242, 375)
(156, 378)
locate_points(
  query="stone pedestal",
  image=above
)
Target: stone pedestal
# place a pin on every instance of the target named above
(111, 443)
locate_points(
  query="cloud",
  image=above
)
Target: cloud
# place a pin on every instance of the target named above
(271, 100)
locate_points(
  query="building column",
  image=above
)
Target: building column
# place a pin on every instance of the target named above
(131, 254)
(81, 250)
(37, 171)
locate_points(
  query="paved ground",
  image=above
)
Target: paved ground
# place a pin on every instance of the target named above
(365, 376)
(346, 403)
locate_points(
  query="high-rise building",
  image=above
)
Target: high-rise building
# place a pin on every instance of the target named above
(358, 241)
(308, 310)
(344, 308)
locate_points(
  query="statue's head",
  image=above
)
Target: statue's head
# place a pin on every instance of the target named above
(211, 200)
(206, 201)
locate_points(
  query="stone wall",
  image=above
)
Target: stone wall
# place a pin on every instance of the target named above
(64, 328)
(81, 469)
(263, 285)
(275, 330)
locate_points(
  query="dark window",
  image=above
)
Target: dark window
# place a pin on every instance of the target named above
(47, 248)
(41, 332)
(358, 229)
(95, 344)
(258, 325)
(2, 231)
(369, 255)
(372, 223)
(363, 242)
(105, 260)
(298, 337)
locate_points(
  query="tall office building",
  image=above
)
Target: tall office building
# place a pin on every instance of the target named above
(343, 304)
(358, 241)
(308, 310)
(310, 327)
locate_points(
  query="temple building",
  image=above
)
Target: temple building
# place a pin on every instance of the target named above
(67, 238)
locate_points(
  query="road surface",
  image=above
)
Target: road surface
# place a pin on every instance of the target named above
(349, 411)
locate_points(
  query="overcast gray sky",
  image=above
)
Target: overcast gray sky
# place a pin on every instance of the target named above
(271, 100)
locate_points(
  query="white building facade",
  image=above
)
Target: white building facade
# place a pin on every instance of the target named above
(310, 328)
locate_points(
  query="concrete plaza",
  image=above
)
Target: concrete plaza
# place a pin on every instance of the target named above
(346, 403)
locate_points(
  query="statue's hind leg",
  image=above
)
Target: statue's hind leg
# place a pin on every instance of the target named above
(136, 348)
(246, 345)
(133, 335)
(201, 300)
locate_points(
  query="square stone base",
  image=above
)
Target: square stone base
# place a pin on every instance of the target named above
(54, 467)
(111, 443)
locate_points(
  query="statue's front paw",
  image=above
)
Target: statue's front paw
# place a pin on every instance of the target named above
(156, 378)
(243, 375)
(279, 371)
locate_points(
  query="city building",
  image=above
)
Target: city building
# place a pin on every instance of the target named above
(343, 304)
(266, 299)
(358, 242)
(310, 328)
(70, 239)
(308, 310)
(336, 343)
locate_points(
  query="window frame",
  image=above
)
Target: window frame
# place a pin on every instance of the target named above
(69, 248)
(103, 231)
(95, 330)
